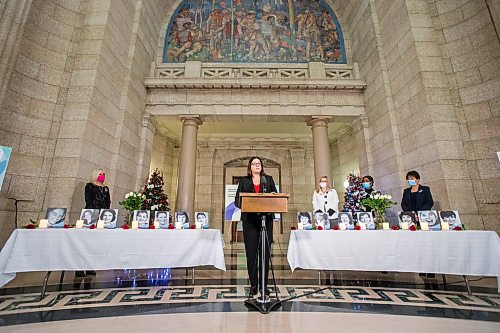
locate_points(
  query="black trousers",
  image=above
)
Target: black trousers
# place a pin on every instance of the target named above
(251, 234)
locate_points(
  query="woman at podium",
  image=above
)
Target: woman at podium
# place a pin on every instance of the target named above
(256, 181)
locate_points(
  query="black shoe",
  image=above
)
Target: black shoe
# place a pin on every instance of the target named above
(253, 292)
(79, 274)
(267, 292)
(91, 273)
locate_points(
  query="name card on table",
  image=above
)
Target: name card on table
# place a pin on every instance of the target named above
(424, 226)
(404, 226)
(385, 226)
(445, 226)
(342, 226)
(156, 224)
(198, 225)
(300, 226)
(43, 223)
(79, 224)
(100, 224)
(135, 225)
(178, 225)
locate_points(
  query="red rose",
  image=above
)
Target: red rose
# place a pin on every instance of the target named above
(394, 227)
(319, 227)
(335, 227)
(192, 226)
(152, 226)
(457, 228)
(30, 226)
(293, 227)
(66, 226)
(412, 228)
(125, 227)
(171, 226)
(92, 226)
(357, 227)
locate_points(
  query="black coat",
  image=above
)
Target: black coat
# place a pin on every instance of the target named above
(246, 186)
(97, 197)
(424, 199)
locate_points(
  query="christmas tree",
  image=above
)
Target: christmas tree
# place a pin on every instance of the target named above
(352, 194)
(156, 198)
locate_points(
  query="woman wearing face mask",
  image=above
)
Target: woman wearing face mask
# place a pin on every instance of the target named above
(416, 197)
(325, 199)
(367, 184)
(96, 197)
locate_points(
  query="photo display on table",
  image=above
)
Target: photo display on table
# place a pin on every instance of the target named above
(347, 220)
(451, 217)
(321, 220)
(202, 218)
(55, 217)
(431, 217)
(142, 218)
(182, 217)
(305, 219)
(408, 217)
(366, 218)
(109, 216)
(162, 217)
(89, 217)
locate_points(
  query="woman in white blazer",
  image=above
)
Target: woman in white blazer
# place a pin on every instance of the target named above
(325, 199)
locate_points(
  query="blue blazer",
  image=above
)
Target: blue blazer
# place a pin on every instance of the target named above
(424, 199)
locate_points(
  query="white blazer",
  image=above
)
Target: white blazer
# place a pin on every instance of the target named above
(325, 201)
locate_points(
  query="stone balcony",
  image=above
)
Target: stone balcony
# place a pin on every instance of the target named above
(307, 76)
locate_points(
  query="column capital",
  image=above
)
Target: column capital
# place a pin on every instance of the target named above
(148, 120)
(319, 121)
(190, 120)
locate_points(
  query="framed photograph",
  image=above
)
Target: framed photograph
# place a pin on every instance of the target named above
(431, 217)
(142, 218)
(346, 218)
(366, 218)
(89, 217)
(162, 217)
(451, 216)
(55, 217)
(407, 217)
(305, 219)
(202, 218)
(109, 216)
(183, 218)
(321, 220)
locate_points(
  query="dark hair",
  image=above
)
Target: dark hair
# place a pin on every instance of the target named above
(88, 211)
(365, 213)
(161, 212)
(410, 214)
(447, 213)
(346, 214)
(183, 213)
(413, 173)
(249, 167)
(142, 211)
(370, 178)
(201, 213)
(108, 210)
(304, 214)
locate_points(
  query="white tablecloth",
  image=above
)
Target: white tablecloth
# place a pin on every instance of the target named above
(102, 249)
(447, 252)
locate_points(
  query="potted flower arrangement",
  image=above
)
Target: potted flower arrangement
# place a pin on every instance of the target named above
(133, 201)
(379, 203)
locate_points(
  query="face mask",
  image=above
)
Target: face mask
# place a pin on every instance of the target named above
(412, 182)
(101, 178)
(322, 184)
(367, 186)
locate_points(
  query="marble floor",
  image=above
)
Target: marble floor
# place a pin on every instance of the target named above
(206, 299)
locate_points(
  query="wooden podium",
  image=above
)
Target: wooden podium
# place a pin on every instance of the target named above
(264, 203)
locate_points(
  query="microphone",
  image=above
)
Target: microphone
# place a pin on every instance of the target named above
(263, 183)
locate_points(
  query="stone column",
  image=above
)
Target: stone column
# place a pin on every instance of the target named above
(321, 148)
(13, 15)
(187, 165)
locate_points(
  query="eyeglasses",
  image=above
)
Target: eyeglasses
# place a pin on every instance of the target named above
(256, 164)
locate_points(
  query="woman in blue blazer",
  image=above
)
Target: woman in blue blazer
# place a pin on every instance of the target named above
(416, 197)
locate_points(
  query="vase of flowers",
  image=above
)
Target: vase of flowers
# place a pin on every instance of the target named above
(379, 203)
(133, 201)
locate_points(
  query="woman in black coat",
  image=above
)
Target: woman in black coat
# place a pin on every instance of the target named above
(256, 181)
(416, 197)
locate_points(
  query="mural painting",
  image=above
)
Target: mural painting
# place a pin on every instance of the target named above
(254, 31)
